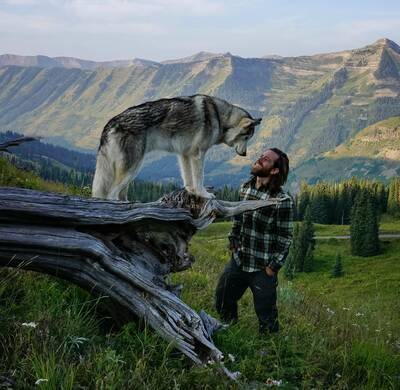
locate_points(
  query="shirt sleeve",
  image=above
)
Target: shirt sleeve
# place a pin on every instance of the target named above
(283, 235)
(237, 221)
(236, 227)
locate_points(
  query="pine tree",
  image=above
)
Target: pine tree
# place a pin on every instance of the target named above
(364, 229)
(303, 239)
(357, 225)
(393, 202)
(338, 268)
(289, 268)
(291, 260)
(309, 230)
(371, 236)
(303, 201)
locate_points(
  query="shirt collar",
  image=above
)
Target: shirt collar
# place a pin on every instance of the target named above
(252, 182)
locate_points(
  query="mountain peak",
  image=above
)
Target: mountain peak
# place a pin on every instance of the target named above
(200, 56)
(387, 43)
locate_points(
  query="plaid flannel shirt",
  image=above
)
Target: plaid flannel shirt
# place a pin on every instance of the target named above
(264, 235)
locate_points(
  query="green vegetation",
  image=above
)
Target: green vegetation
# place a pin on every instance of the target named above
(364, 230)
(332, 203)
(300, 258)
(337, 333)
(11, 176)
(393, 206)
(372, 153)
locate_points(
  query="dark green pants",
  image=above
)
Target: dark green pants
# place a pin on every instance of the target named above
(231, 286)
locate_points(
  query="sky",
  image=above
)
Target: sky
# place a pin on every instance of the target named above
(165, 29)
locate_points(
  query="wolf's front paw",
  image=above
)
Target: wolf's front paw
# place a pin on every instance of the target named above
(190, 190)
(205, 194)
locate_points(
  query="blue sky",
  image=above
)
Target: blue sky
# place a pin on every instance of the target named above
(164, 29)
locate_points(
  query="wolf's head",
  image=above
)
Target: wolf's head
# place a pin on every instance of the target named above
(238, 136)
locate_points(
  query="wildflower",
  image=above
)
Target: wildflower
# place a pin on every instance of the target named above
(231, 357)
(41, 380)
(346, 308)
(358, 314)
(273, 382)
(338, 375)
(29, 324)
(330, 311)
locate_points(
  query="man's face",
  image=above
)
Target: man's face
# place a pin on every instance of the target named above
(264, 165)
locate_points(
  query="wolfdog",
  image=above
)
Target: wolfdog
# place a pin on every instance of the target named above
(186, 125)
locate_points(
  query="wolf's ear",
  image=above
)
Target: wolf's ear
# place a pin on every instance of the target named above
(257, 121)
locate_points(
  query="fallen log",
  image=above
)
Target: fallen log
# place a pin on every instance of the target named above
(118, 249)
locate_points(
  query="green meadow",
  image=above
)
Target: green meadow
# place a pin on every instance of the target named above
(337, 333)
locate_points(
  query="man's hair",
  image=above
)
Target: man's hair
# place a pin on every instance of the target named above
(278, 180)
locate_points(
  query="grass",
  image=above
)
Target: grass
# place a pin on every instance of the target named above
(11, 176)
(337, 333)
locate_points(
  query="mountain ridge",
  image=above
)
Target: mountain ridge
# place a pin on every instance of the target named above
(309, 104)
(75, 62)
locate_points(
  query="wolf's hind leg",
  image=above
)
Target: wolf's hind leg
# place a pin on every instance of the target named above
(123, 195)
(103, 176)
(123, 177)
(186, 172)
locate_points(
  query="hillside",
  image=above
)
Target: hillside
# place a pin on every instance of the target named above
(309, 104)
(374, 152)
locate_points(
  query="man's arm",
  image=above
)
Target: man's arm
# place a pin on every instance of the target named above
(283, 235)
(234, 235)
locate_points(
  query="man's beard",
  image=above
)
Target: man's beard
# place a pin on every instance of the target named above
(260, 172)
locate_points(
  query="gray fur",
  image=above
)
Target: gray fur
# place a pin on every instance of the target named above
(187, 126)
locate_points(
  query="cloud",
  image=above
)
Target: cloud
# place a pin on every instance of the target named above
(159, 29)
(120, 10)
(20, 3)
(360, 27)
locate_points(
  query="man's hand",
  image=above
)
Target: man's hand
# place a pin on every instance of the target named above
(234, 245)
(269, 271)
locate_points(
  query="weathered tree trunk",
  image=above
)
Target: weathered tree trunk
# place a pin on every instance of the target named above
(119, 249)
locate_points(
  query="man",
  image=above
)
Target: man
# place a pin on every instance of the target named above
(259, 242)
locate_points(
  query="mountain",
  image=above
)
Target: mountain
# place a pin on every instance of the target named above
(374, 152)
(309, 104)
(69, 62)
(200, 56)
(51, 162)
